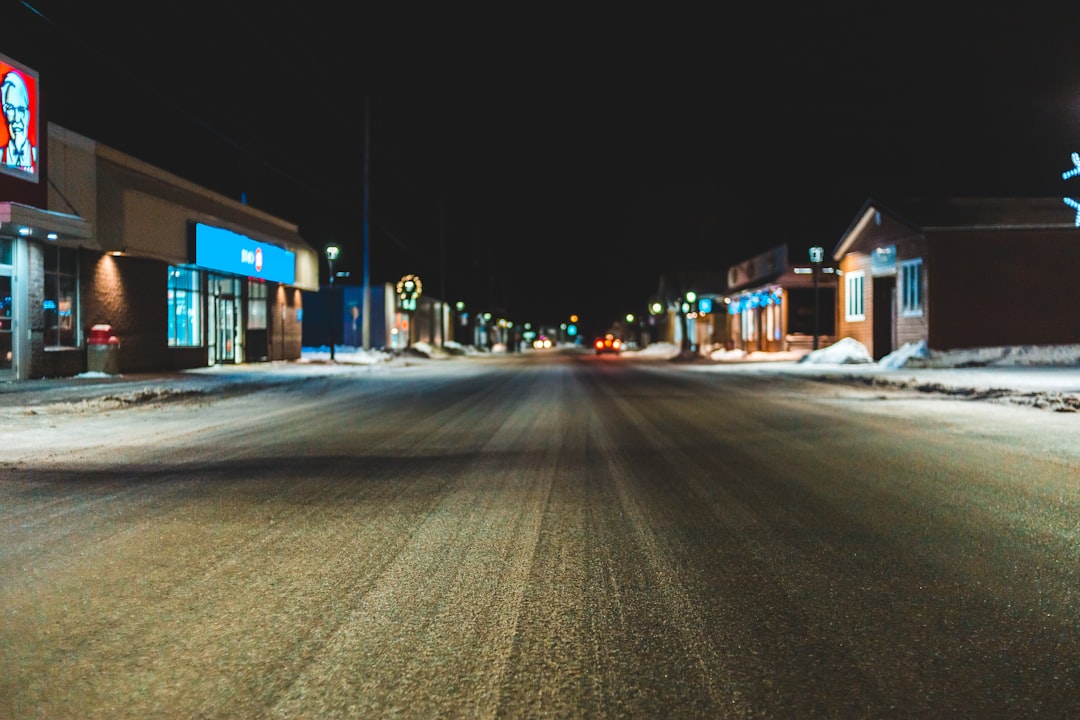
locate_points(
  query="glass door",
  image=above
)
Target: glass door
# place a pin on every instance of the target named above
(225, 328)
(224, 331)
(6, 347)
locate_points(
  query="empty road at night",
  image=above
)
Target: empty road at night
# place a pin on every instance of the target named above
(541, 535)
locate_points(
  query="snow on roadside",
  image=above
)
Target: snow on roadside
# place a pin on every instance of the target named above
(1012, 356)
(662, 350)
(849, 351)
(846, 351)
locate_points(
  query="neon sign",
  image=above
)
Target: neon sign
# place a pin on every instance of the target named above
(220, 249)
(1074, 204)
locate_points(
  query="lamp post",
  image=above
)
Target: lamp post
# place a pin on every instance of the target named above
(656, 326)
(332, 250)
(817, 254)
(687, 306)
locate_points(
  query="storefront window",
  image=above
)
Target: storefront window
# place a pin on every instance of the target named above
(773, 321)
(911, 287)
(256, 314)
(185, 307)
(749, 325)
(60, 305)
(6, 348)
(853, 292)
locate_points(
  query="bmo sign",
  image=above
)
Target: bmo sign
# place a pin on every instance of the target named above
(216, 248)
(247, 257)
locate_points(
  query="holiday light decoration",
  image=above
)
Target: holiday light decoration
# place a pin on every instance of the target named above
(1074, 204)
(408, 289)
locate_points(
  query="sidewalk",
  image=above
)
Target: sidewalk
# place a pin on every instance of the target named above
(1044, 377)
(1048, 388)
(204, 380)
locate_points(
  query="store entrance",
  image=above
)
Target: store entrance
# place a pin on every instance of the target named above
(884, 316)
(224, 332)
(6, 347)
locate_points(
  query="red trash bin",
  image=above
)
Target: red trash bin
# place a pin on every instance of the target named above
(103, 351)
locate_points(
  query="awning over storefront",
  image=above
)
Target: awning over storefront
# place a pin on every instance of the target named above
(42, 225)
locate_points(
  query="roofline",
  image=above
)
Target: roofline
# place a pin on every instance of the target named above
(136, 165)
(999, 226)
(872, 206)
(854, 230)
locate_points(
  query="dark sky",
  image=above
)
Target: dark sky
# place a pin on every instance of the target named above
(550, 159)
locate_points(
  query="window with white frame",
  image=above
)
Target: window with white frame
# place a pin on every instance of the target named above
(854, 307)
(911, 301)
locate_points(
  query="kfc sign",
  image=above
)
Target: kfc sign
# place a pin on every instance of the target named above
(19, 132)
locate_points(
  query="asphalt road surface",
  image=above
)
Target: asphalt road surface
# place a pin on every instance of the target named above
(538, 536)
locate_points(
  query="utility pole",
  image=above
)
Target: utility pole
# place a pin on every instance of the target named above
(443, 313)
(366, 293)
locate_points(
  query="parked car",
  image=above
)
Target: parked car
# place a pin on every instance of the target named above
(608, 344)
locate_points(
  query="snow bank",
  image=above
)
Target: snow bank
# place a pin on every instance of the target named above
(662, 350)
(916, 355)
(723, 355)
(345, 354)
(847, 351)
(907, 356)
(1010, 356)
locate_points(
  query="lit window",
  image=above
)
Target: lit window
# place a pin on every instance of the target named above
(749, 325)
(911, 288)
(61, 297)
(853, 295)
(256, 317)
(185, 307)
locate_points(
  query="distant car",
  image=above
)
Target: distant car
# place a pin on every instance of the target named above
(608, 344)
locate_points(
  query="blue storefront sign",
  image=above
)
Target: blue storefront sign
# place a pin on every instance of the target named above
(227, 251)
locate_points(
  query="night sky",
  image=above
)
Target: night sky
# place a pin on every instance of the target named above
(548, 159)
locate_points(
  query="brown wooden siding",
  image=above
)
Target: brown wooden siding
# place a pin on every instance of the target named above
(860, 330)
(1006, 287)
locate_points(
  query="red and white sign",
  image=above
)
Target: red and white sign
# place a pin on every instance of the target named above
(19, 138)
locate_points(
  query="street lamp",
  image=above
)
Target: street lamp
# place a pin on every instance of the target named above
(817, 254)
(687, 306)
(332, 250)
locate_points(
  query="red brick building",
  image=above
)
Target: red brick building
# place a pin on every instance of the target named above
(960, 273)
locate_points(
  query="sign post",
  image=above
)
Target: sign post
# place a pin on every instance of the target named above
(332, 251)
(817, 255)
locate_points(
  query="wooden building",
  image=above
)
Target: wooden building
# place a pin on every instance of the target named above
(960, 273)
